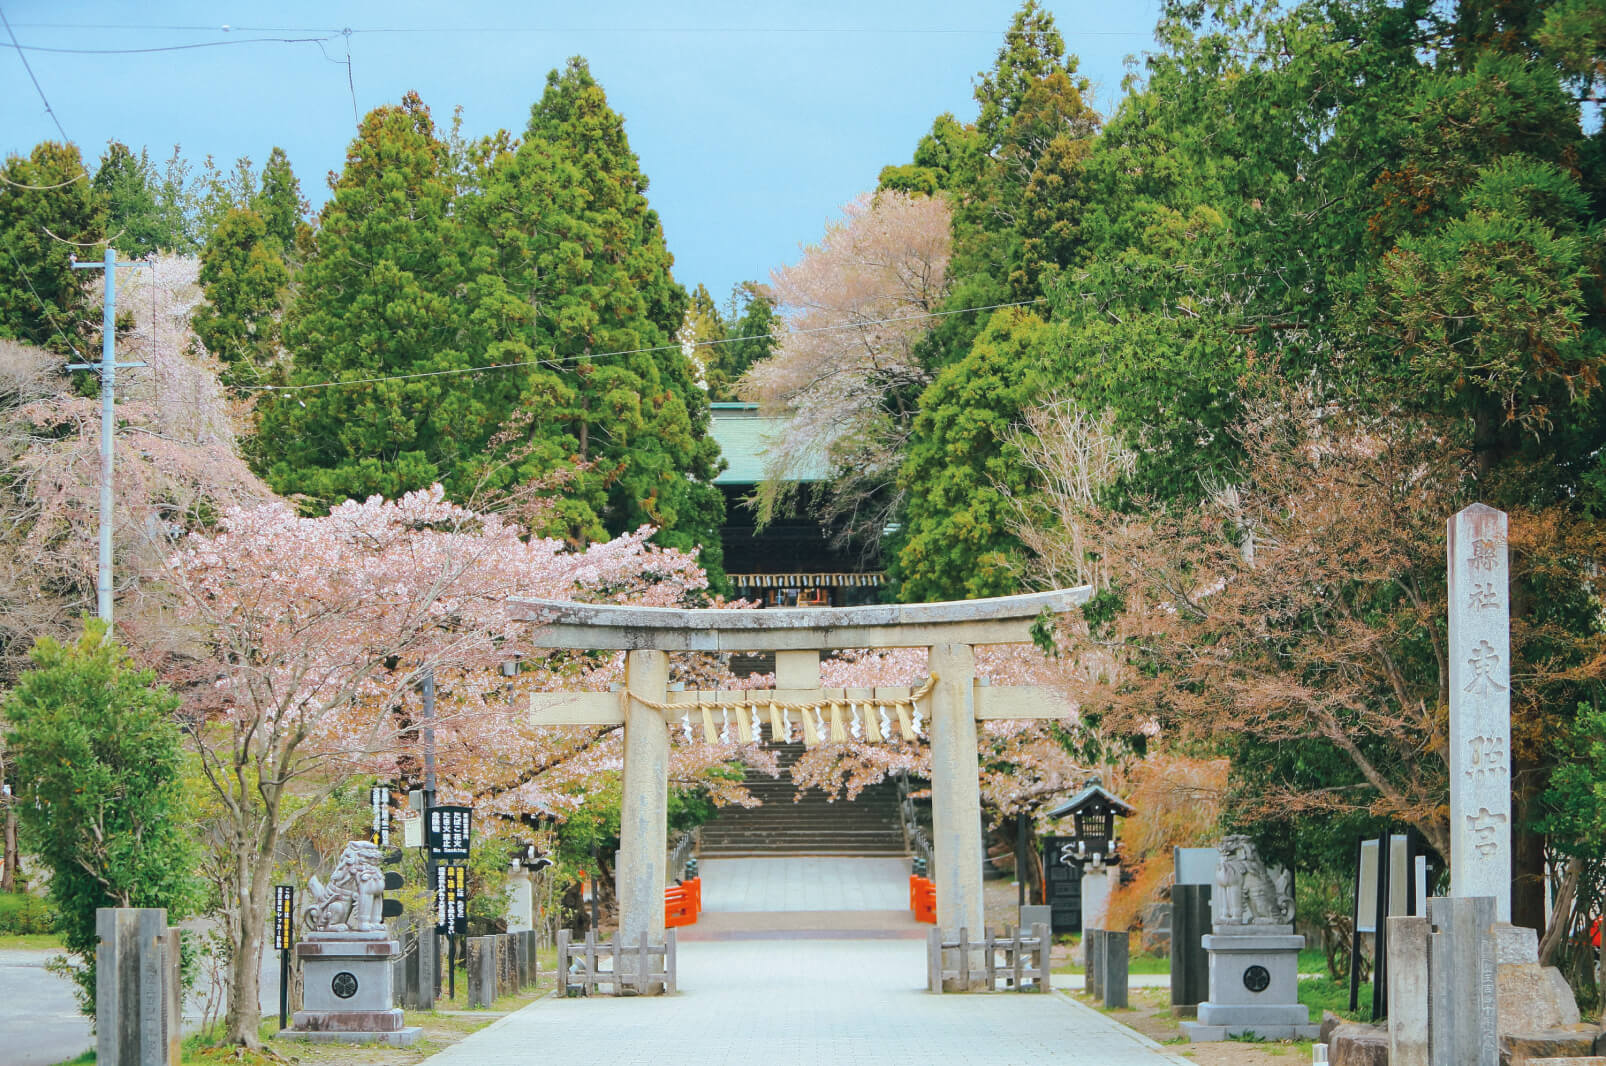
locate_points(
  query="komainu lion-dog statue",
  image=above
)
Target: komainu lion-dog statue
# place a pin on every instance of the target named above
(353, 900)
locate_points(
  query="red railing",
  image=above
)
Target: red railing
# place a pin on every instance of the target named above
(923, 899)
(683, 903)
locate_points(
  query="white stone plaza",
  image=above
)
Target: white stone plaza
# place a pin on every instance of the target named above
(807, 1003)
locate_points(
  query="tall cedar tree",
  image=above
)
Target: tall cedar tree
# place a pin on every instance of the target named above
(246, 279)
(753, 334)
(382, 295)
(1015, 181)
(141, 224)
(279, 202)
(571, 269)
(42, 299)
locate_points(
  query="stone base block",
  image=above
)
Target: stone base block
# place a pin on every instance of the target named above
(1533, 997)
(1354, 1044)
(1568, 1044)
(1253, 1015)
(347, 1021)
(1583, 1060)
(400, 1038)
(1200, 1033)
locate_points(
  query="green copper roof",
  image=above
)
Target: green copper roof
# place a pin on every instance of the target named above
(744, 436)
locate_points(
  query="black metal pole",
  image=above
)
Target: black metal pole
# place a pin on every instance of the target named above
(284, 989)
(1020, 854)
(1380, 943)
(451, 966)
(1355, 932)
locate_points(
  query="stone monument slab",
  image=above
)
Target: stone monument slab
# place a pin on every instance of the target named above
(1480, 707)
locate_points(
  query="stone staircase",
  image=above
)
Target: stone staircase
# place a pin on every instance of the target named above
(808, 824)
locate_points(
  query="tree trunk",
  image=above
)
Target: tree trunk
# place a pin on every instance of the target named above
(252, 874)
(1561, 916)
(1527, 853)
(8, 862)
(8, 869)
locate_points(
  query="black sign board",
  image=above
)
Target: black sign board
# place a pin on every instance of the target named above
(448, 829)
(451, 900)
(1062, 870)
(379, 805)
(284, 917)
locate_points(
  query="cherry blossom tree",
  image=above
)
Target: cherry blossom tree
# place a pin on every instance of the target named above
(177, 460)
(846, 377)
(305, 639)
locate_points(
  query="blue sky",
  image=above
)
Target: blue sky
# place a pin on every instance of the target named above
(754, 122)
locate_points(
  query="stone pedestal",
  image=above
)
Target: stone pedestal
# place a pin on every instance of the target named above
(1096, 881)
(137, 1021)
(349, 989)
(1254, 985)
(520, 901)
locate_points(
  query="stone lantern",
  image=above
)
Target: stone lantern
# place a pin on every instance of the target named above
(1093, 811)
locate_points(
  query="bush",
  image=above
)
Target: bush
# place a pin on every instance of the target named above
(21, 913)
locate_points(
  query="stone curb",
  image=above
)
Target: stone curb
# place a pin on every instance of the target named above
(1136, 1037)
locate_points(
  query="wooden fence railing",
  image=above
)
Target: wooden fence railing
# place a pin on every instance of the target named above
(1018, 959)
(634, 969)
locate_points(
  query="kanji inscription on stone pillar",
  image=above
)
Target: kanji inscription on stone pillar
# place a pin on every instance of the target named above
(1480, 707)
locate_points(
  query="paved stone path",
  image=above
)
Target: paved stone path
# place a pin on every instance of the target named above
(805, 884)
(807, 1003)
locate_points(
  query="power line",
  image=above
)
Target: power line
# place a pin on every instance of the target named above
(818, 30)
(158, 48)
(44, 188)
(31, 77)
(634, 351)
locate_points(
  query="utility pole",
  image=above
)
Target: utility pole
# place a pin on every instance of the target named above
(108, 367)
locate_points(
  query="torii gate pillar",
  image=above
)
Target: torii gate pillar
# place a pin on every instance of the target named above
(644, 810)
(955, 791)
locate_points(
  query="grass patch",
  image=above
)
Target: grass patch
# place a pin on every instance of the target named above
(1311, 960)
(1325, 993)
(31, 941)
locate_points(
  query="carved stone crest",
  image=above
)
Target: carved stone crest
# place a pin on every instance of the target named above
(353, 900)
(1247, 893)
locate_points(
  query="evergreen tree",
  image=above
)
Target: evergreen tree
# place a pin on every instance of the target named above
(279, 201)
(753, 334)
(961, 470)
(97, 759)
(126, 182)
(382, 295)
(245, 280)
(701, 333)
(571, 268)
(42, 299)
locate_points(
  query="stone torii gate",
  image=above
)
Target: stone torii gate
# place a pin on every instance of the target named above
(797, 636)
